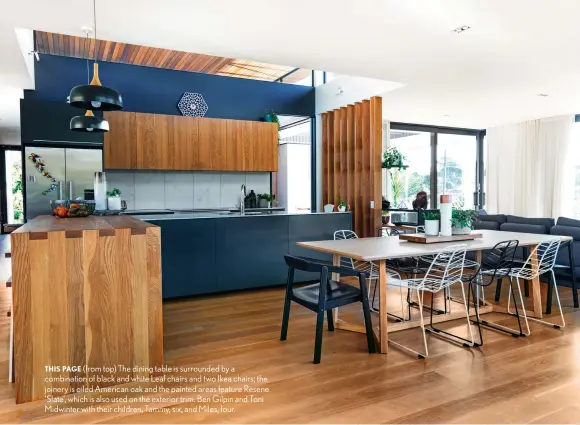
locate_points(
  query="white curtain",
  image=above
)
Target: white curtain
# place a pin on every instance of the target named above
(526, 167)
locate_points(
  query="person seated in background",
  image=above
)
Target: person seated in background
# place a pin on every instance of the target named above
(420, 202)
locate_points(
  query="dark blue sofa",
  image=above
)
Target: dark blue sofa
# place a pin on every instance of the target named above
(568, 261)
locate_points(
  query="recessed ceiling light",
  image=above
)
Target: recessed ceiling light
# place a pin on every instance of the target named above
(461, 29)
(446, 115)
(542, 95)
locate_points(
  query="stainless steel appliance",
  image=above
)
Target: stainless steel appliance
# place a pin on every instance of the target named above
(408, 217)
(73, 170)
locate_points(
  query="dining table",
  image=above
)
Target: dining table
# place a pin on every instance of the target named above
(380, 249)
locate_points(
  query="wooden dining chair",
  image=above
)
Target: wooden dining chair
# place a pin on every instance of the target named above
(323, 296)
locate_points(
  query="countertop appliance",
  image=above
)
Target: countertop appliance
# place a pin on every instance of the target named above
(73, 170)
(408, 216)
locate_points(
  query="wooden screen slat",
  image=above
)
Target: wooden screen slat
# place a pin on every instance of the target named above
(343, 155)
(330, 159)
(376, 139)
(324, 185)
(358, 164)
(350, 156)
(336, 156)
(365, 171)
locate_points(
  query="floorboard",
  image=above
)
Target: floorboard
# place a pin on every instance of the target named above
(508, 380)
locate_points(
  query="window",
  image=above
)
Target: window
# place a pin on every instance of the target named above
(573, 172)
(293, 180)
(405, 184)
(13, 189)
(456, 168)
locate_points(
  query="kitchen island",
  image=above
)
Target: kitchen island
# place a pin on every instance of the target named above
(86, 293)
(210, 252)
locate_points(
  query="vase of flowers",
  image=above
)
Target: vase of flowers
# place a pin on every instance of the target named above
(385, 217)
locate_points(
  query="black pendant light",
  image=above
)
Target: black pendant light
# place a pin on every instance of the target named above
(95, 96)
(89, 122)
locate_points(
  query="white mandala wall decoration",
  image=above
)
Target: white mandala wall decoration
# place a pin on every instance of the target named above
(192, 105)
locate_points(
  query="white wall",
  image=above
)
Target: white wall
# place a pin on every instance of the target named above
(353, 89)
(184, 189)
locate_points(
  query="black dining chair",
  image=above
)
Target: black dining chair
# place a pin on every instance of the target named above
(323, 296)
(496, 265)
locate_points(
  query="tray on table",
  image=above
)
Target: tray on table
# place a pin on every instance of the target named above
(423, 238)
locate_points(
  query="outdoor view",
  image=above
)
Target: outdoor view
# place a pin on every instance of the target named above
(14, 187)
(456, 167)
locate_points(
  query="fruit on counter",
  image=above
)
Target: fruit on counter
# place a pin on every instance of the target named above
(78, 210)
(61, 211)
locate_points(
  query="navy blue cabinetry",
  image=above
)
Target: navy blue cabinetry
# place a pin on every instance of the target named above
(208, 255)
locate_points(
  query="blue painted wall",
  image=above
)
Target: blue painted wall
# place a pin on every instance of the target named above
(154, 90)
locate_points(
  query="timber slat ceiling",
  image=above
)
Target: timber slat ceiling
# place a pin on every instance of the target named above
(111, 51)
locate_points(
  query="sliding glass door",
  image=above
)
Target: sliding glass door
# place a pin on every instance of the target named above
(441, 160)
(457, 168)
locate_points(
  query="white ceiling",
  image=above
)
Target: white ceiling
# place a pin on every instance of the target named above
(488, 75)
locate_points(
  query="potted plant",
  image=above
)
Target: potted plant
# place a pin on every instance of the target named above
(462, 221)
(114, 199)
(385, 217)
(342, 205)
(266, 200)
(271, 116)
(432, 223)
(394, 159)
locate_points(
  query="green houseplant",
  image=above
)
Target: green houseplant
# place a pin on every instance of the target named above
(342, 205)
(394, 163)
(462, 221)
(271, 116)
(432, 223)
(114, 199)
(268, 200)
(385, 217)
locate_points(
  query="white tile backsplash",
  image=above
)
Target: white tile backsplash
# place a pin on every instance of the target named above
(179, 190)
(149, 191)
(258, 182)
(206, 190)
(183, 189)
(125, 182)
(231, 189)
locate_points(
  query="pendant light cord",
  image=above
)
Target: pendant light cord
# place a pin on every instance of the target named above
(87, 48)
(95, 22)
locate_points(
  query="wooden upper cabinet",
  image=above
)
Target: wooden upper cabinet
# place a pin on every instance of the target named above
(212, 144)
(120, 149)
(170, 142)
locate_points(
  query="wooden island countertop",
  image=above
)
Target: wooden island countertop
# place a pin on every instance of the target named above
(86, 292)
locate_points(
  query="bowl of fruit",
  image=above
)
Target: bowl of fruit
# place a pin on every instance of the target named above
(69, 209)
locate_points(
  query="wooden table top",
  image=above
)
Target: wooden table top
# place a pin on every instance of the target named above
(48, 223)
(373, 249)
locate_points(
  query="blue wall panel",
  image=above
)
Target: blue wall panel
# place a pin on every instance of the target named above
(154, 90)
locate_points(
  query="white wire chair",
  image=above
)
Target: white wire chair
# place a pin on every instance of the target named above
(541, 260)
(372, 270)
(445, 270)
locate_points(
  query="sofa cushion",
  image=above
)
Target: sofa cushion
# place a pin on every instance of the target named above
(524, 228)
(486, 225)
(574, 232)
(548, 222)
(565, 221)
(499, 218)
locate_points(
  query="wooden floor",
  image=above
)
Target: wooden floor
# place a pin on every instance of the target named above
(509, 380)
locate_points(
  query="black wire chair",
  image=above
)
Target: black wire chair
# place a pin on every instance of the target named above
(496, 265)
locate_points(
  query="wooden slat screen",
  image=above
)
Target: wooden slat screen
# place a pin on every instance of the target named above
(351, 162)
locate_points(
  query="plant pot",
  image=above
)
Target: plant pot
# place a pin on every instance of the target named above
(114, 203)
(341, 209)
(262, 203)
(328, 208)
(460, 230)
(385, 219)
(432, 227)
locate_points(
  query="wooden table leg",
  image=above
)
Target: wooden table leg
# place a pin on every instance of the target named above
(335, 277)
(536, 287)
(383, 331)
